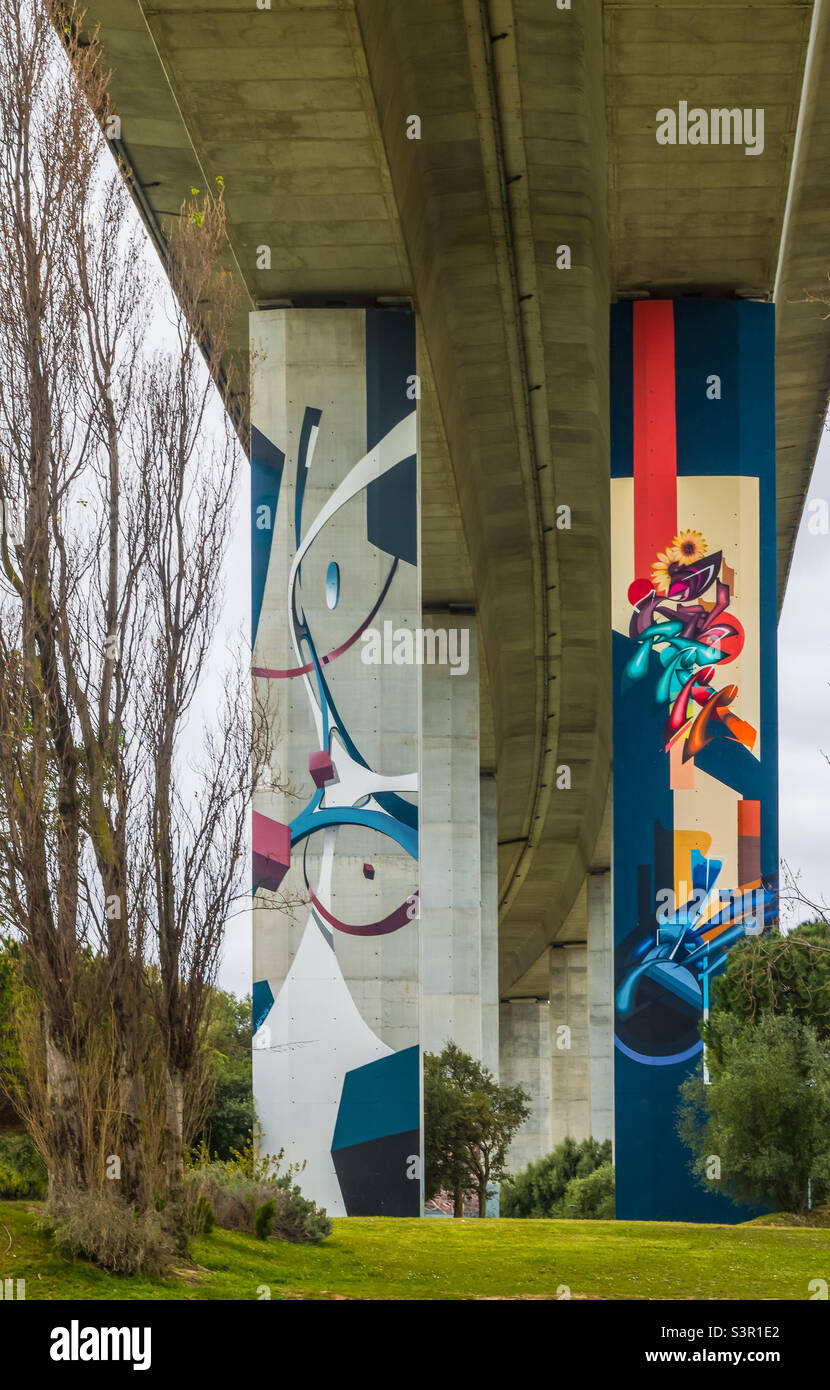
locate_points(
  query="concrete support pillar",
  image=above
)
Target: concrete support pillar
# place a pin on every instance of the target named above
(581, 1019)
(524, 1052)
(569, 1043)
(489, 922)
(601, 994)
(336, 611)
(451, 885)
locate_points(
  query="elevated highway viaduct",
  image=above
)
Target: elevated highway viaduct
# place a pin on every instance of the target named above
(494, 166)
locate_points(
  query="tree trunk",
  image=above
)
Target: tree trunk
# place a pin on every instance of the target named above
(482, 1199)
(458, 1202)
(174, 1127)
(66, 1165)
(134, 1186)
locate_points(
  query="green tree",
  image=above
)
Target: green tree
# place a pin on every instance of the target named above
(590, 1197)
(761, 1127)
(22, 1170)
(469, 1124)
(539, 1189)
(10, 967)
(775, 974)
(230, 1118)
(445, 1124)
(22, 1173)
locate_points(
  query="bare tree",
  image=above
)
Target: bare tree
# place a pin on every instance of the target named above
(197, 821)
(793, 895)
(43, 178)
(120, 860)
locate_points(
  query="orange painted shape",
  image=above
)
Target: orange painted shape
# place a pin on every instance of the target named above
(740, 731)
(681, 774)
(716, 906)
(684, 842)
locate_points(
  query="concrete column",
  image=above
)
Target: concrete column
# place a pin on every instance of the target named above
(451, 888)
(569, 1043)
(524, 1052)
(601, 994)
(489, 922)
(336, 609)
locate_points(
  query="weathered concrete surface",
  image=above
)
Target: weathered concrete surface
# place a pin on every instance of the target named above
(570, 1054)
(601, 1004)
(700, 218)
(452, 974)
(489, 824)
(524, 1059)
(802, 340)
(713, 220)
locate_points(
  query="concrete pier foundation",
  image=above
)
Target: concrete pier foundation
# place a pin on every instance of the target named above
(451, 918)
(524, 1053)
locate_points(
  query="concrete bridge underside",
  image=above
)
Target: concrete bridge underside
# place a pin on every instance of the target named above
(537, 133)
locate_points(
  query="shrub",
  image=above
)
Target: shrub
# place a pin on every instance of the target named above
(538, 1189)
(230, 1118)
(22, 1171)
(297, 1218)
(774, 974)
(264, 1220)
(202, 1217)
(104, 1229)
(765, 1113)
(236, 1191)
(591, 1197)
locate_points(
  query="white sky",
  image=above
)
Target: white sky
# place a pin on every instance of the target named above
(235, 970)
(804, 703)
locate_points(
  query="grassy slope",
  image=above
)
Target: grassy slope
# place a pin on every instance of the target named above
(818, 1217)
(435, 1259)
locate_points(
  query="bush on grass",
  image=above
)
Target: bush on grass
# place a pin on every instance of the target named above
(105, 1230)
(591, 1197)
(236, 1190)
(264, 1220)
(200, 1217)
(538, 1190)
(22, 1170)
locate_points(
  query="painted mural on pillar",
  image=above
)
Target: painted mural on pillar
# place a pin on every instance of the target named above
(337, 552)
(695, 724)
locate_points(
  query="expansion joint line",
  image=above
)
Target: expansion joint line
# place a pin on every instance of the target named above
(533, 435)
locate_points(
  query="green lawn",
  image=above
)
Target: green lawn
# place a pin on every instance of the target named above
(442, 1259)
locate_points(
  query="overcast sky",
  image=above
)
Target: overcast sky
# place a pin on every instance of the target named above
(804, 702)
(235, 973)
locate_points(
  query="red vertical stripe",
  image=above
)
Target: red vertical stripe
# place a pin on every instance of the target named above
(655, 439)
(749, 817)
(749, 841)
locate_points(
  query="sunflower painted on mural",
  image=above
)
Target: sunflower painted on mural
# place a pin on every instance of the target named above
(688, 547)
(661, 571)
(690, 637)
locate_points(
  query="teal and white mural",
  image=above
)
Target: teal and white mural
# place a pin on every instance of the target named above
(334, 498)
